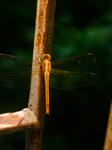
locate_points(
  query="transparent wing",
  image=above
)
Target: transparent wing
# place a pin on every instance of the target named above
(17, 72)
(74, 63)
(18, 80)
(66, 80)
(14, 63)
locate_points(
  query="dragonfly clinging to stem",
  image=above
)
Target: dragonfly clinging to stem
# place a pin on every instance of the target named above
(59, 73)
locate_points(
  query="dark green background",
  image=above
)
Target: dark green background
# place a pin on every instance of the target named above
(78, 118)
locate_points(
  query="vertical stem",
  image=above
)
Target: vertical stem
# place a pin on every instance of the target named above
(108, 137)
(42, 44)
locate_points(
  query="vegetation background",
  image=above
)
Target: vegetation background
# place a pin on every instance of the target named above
(78, 118)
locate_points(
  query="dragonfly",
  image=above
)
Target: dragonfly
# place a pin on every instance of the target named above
(61, 74)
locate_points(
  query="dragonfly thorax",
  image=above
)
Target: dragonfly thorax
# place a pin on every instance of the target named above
(46, 62)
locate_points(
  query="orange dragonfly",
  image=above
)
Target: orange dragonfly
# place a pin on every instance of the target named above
(61, 73)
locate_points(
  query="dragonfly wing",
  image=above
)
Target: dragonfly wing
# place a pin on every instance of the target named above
(18, 80)
(74, 63)
(66, 80)
(14, 63)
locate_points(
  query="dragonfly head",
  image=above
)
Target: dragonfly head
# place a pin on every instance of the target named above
(46, 56)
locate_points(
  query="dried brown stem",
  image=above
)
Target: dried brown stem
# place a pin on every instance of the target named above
(108, 137)
(42, 44)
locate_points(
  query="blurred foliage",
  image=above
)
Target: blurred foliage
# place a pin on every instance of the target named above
(78, 118)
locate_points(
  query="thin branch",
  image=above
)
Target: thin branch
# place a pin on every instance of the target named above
(17, 121)
(108, 137)
(42, 44)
